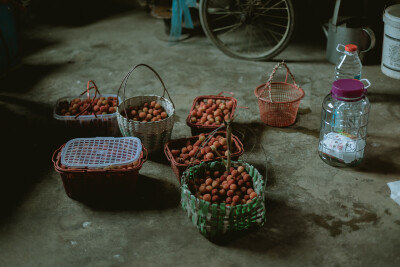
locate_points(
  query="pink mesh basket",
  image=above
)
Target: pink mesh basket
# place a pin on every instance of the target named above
(279, 101)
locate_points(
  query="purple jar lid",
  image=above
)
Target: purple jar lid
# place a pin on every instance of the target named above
(351, 89)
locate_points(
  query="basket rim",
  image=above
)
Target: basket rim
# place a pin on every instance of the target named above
(200, 126)
(280, 102)
(87, 117)
(57, 164)
(171, 158)
(146, 123)
(184, 186)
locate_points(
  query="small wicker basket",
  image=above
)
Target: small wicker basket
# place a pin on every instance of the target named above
(179, 168)
(152, 134)
(197, 128)
(279, 101)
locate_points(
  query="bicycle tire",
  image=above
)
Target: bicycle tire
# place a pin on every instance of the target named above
(245, 13)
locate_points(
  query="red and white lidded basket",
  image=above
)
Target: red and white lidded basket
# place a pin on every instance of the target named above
(100, 152)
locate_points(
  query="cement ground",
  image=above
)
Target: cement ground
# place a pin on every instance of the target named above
(317, 215)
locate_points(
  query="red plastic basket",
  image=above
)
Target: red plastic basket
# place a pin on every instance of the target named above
(197, 128)
(179, 168)
(80, 125)
(89, 183)
(279, 101)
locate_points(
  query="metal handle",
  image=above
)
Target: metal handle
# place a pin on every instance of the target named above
(336, 13)
(371, 35)
(125, 81)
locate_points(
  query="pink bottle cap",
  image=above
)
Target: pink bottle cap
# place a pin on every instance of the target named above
(348, 90)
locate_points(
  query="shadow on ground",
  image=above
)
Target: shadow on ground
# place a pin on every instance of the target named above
(29, 137)
(75, 13)
(382, 156)
(284, 230)
(25, 76)
(149, 194)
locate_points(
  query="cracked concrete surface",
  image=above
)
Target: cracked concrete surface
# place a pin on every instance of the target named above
(317, 215)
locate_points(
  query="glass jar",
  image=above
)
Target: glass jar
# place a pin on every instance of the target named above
(344, 123)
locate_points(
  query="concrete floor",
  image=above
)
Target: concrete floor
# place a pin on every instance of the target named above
(317, 215)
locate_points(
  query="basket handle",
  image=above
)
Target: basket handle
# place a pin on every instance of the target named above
(225, 92)
(145, 154)
(87, 91)
(288, 72)
(166, 152)
(56, 155)
(271, 77)
(125, 81)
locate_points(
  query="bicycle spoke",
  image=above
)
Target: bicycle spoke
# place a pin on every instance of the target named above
(248, 28)
(231, 30)
(226, 27)
(270, 16)
(275, 24)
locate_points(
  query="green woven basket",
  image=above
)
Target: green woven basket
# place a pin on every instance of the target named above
(216, 219)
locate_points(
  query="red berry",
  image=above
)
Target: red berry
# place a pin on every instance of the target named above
(215, 198)
(247, 178)
(215, 184)
(207, 197)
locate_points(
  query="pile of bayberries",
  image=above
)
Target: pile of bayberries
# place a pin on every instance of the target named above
(148, 112)
(232, 188)
(99, 106)
(211, 112)
(192, 152)
(130, 166)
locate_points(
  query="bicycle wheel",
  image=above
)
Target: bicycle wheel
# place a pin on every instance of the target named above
(248, 29)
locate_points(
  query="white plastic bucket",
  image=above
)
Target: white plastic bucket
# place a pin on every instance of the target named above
(391, 42)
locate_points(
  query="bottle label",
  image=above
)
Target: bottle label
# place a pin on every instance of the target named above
(342, 146)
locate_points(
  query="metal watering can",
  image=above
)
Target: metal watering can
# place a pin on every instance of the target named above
(346, 32)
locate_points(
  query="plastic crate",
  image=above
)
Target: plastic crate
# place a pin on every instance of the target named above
(88, 125)
(100, 152)
(179, 168)
(197, 128)
(109, 180)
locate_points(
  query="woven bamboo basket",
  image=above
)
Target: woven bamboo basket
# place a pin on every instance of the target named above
(152, 134)
(213, 220)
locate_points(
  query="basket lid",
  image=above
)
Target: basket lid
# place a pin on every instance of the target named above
(100, 152)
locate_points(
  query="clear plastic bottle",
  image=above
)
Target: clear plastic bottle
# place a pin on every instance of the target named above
(344, 123)
(349, 64)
